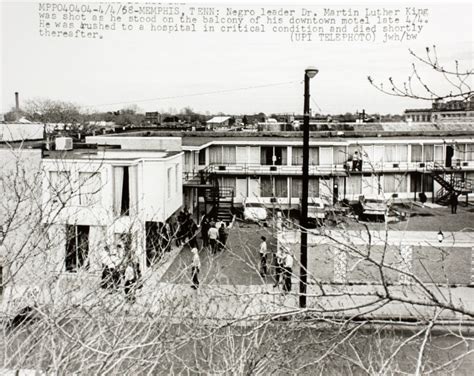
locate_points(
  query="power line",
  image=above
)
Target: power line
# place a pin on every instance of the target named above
(194, 94)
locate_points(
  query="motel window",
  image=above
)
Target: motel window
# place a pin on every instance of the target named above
(428, 153)
(228, 182)
(459, 152)
(266, 186)
(215, 155)
(340, 155)
(202, 157)
(89, 188)
(122, 190)
(281, 187)
(229, 154)
(416, 153)
(297, 187)
(394, 183)
(297, 156)
(270, 155)
(77, 247)
(354, 185)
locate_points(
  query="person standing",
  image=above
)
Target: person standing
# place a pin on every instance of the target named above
(130, 280)
(263, 256)
(213, 234)
(288, 271)
(204, 232)
(279, 258)
(222, 236)
(195, 268)
(454, 203)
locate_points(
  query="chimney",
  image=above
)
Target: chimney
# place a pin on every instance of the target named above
(17, 102)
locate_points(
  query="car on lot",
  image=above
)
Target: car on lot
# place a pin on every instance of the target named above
(254, 211)
(316, 210)
(374, 207)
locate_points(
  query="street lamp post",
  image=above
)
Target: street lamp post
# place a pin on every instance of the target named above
(309, 73)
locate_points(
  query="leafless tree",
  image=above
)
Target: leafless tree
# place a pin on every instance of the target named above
(417, 86)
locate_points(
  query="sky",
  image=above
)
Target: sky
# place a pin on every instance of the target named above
(221, 72)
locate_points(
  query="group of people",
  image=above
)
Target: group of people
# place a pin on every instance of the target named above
(117, 268)
(214, 235)
(283, 264)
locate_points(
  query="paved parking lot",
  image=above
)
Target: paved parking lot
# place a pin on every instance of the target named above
(238, 264)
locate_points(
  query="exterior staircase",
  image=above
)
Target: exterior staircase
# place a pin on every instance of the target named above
(450, 184)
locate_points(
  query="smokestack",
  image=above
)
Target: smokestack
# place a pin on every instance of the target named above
(17, 102)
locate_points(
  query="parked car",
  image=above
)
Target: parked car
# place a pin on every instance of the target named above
(373, 206)
(316, 210)
(254, 211)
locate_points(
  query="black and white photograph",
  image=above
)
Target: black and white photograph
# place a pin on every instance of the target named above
(236, 188)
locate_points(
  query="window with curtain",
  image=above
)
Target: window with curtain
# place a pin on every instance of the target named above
(281, 187)
(428, 153)
(229, 154)
(313, 187)
(340, 155)
(228, 182)
(266, 186)
(89, 188)
(390, 153)
(438, 153)
(202, 157)
(280, 154)
(354, 185)
(296, 187)
(402, 151)
(215, 155)
(266, 155)
(77, 247)
(416, 153)
(121, 190)
(297, 156)
(389, 183)
(460, 151)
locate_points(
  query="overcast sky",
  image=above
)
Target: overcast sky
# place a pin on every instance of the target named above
(127, 68)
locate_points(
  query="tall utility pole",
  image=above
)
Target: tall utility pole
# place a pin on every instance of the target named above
(309, 73)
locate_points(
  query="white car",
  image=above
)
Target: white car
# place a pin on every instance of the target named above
(316, 208)
(374, 206)
(254, 211)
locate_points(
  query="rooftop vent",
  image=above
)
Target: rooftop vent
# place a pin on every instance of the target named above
(63, 143)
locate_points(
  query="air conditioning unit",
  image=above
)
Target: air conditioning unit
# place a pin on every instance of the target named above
(221, 168)
(63, 143)
(273, 200)
(465, 164)
(395, 165)
(273, 168)
(422, 165)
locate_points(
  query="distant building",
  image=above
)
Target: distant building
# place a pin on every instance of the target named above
(218, 122)
(457, 110)
(153, 117)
